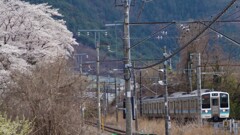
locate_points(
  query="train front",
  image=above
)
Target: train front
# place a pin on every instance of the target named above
(215, 106)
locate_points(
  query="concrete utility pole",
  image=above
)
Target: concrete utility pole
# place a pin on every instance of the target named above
(140, 95)
(127, 65)
(97, 45)
(167, 118)
(199, 88)
(98, 84)
(190, 72)
(116, 97)
(135, 100)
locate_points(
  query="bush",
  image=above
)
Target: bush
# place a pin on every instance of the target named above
(51, 95)
(17, 127)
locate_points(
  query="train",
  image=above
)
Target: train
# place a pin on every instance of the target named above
(215, 105)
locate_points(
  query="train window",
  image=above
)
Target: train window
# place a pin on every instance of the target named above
(215, 102)
(223, 100)
(206, 101)
(184, 104)
(159, 106)
(193, 104)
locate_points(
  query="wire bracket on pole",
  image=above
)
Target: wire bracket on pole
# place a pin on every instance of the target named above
(128, 65)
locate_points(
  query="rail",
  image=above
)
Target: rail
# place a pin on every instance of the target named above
(107, 128)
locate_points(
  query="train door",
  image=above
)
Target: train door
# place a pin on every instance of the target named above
(215, 106)
(206, 106)
(224, 105)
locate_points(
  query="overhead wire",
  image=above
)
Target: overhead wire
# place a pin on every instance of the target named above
(140, 12)
(231, 14)
(152, 35)
(193, 39)
(156, 59)
(227, 37)
(182, 22)
(220, 25)
(223, 21)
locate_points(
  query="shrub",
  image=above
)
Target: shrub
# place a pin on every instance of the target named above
(16, 127)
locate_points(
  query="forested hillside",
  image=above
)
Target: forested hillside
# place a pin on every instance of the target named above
(94, 14)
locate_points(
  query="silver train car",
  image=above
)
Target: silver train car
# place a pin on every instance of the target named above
(215, 105)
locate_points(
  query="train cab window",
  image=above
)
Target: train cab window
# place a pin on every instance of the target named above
(215, 102)
(223, 100)
(206, 101)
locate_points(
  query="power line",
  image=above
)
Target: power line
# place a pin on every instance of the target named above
(234, 13)
(224, 35)
(223, 65)
(193, 39)
(183, 22)
(150, 36)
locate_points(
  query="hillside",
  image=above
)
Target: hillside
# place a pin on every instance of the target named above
(94, 14)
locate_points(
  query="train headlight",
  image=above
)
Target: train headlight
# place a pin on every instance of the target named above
(206, 111)
(224, 110)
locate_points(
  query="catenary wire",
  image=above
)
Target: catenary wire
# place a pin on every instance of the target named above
(183, 22)
(150, 36)
(229, 38)
(193, 39)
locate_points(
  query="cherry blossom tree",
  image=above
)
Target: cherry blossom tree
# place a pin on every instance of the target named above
(35, 79)
(31, 34)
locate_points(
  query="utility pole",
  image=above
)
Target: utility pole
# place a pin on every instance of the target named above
(105, 100)
(98, 84)
(190, 72)
(116, 97)
(127, 66)
(97, 45)
(167, 118)
(135, 99)
(199, 88)
(140, 95)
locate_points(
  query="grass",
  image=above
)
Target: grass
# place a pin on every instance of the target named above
(157, 126)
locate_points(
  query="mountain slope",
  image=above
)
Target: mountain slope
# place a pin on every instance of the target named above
(94, 14)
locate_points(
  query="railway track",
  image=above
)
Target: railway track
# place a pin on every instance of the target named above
(107, 128)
